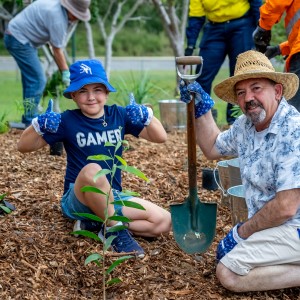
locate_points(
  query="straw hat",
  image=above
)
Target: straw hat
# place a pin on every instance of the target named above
(254, 64)
(78, 8)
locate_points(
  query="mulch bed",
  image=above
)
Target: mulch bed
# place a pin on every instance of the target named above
(40, 259)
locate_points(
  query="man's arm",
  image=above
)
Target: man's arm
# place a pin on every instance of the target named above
(277, 211)
(59, 58)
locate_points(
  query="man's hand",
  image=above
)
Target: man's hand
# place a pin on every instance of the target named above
(138, 113)
(229, 242)
(203, 102)
(48, 121)
(189, 51)
(65, 77)
(261, 38)
(272, 51)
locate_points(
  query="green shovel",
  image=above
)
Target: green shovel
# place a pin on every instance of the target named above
(193, 222)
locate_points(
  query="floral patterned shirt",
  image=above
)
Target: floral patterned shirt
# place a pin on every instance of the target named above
(273, 164)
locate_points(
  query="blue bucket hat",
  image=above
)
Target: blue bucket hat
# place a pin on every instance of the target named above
(85, 72)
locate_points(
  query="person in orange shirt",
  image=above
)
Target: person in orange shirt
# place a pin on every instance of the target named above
(270, 13)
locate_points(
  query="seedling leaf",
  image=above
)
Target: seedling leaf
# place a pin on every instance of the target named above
(92, 189)
(134, 171)
(128, 203)
(95, 257)
(89, 216)
(87, 233)
(117, 262)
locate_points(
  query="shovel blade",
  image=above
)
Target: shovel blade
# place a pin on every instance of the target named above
(194, 233)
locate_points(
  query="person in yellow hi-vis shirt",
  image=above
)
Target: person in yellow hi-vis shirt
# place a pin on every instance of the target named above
(227, 32)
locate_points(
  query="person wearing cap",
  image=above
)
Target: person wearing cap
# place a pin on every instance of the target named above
(84, 133)
(258, 254)
(39, 23)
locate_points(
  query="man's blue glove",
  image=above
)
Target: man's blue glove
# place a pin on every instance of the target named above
(203, 102)
(272, 51)
(261, 38)
(138, 113)
(48, 121)
(229, 242)
(65, 77)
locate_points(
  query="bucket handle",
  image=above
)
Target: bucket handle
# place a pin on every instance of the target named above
(219, 184)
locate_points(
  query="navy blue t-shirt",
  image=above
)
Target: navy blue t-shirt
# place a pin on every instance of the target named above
(83, 137)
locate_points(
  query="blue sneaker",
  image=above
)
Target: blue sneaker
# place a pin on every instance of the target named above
(124, 242)
(87, 225)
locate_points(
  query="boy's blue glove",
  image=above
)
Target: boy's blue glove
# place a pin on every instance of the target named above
(229, 242)
(138, 113)
(48, 121)
(66, 77)
(203, 102)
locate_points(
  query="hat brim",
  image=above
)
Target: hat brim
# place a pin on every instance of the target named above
(77, 85)
(226, 91)
(79, 15)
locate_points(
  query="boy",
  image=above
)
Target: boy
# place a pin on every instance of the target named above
(84, 132)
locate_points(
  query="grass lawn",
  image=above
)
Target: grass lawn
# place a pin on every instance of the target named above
(156, 85)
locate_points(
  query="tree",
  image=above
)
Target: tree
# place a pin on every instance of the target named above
(111, 19)
(174, 26)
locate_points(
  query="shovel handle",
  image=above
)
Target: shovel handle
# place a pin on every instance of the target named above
(191, 141)
(189, 60)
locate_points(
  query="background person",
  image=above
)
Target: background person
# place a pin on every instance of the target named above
(39, 23)
(227, 33)
(270, 14)
(84, 132)
(258, 254)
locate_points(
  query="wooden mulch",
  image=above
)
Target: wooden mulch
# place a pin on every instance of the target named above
(40, 259)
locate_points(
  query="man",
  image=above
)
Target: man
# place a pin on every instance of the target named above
(39, 23)
(258, 254)
(270, 14)
(227, 32)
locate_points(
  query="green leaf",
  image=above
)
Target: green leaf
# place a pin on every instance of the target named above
(88, 234)
(118, 145)
(119, 218)
(116, 228)
(99, 157)
(121, 160)
(128, 203)
(91, 189)
(93, 258)
(117, 262)
(109, 144)
(2, 196)
(134, 171)
(108, 241)
(6, 209)
(129, 193)
(100, 173)
(89, 216)
(113, 281)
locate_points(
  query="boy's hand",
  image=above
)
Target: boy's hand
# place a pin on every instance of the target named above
(48, 121)
(138, 113)
(203, 102)
(229, 242)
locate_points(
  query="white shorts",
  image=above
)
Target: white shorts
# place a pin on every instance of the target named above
(269, 247)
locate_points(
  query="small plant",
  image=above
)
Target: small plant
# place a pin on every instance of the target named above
(4, 127)
(3, 205)
(101, 259)
(236, 111)
(144, 90)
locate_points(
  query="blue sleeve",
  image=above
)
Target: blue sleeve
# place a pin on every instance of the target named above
(254, 10)
(193, 29)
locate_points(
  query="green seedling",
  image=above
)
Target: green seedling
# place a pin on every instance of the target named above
(3, 207)
(101, 259)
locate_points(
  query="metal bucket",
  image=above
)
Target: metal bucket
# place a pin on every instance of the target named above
(224, 181)
(234, 172)
(172, 114)
(239, 210)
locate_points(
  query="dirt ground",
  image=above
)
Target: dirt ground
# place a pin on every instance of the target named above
(40, 259)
